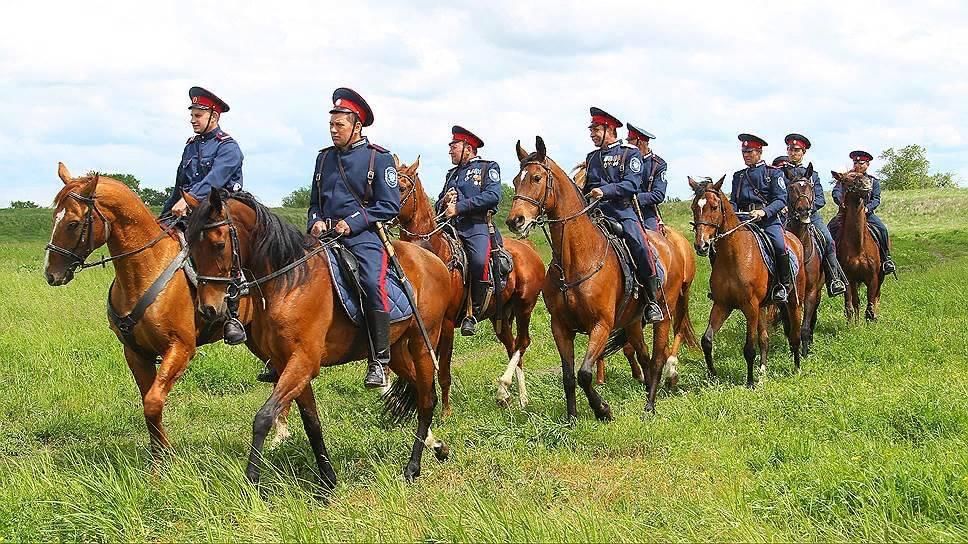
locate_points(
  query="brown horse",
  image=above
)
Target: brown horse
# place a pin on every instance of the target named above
(94, 210)
(800, 197)
(856, 248)
(299, 325)
(418, 224)
(681, 324)
(739, 278)
(584, 289)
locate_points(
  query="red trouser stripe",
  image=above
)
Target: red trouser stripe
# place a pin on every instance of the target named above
(486, 276)
(382, 284)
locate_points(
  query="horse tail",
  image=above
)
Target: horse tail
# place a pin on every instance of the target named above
(400, 402)
(684, 325)
(616, 341)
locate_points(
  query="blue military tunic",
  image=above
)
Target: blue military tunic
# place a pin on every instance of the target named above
(653, 189)
(342, 190)
(210, 161)
(873, 201)
(762, 187)
(478, 186)
(616, 169)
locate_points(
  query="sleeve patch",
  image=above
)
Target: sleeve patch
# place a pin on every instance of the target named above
(390, 175)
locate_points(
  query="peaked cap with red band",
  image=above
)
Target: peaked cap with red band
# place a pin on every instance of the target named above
(781, 161)
(349, 101)
(461, 134)
(798, 140)
(602, 117)
(861, 155)
(639, 134)
(752, 142)
(206, 100)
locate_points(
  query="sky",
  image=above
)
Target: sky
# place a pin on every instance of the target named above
(104, 85)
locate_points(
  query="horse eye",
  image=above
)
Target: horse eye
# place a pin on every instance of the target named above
(220, 246)
(535, 178)
(73, 225)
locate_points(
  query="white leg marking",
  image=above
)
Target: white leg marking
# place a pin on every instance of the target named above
(522, 389)
(282, 433)
(670, 369)
(505, 380)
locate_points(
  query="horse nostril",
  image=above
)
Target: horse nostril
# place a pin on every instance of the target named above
(50, 278)
(208, 311)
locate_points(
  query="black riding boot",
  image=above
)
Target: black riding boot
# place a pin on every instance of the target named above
(836, 279)
(888, 264)
(784, 278)
(653, 313)
(478, 293)
(378, 327)
(233, 333)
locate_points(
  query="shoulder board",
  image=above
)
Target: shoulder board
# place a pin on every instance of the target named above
(658, 159)
(626, 144)
(190, 140)
(376, 147)
(771, 167)
(590, 153)
(325, 149)
(222, 137)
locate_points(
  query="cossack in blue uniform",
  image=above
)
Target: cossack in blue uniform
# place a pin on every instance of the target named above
(616, 169)
(211, 160)
(654, 184)
(358, 184)
(477, 183)
(763, 187)
(837, 193)
(792, 171)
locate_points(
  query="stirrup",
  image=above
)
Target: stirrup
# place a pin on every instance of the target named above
(836, 287)
(469, 326)
(376, 376)
(233, 333)
(889, 266)
(268, 375)
(780, 294)
(653, 313)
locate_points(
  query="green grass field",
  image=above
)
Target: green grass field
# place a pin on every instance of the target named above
(868, 442)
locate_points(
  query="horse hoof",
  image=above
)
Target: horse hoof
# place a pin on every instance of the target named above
(672, 380)
(410, 473)
(441, 451)
(502, 400)
(649, 412)
(605, 414)
(751, 385)
(446, 411)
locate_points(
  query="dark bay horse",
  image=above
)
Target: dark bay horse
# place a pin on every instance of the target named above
(739, 278)
(524, 284)
(95, 210)
(800, 197)
(681, 324)
(856, 248)
(583, 290)
(299, 325)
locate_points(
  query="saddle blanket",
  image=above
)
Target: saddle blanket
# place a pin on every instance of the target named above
(349, 294)
(766, 251)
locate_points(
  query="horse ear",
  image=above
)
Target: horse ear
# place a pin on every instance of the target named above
(215, 199)
(89, 189)
(836, 175)
(189, 199)
(415, 165)
(396, 161)
(539, 145)
(522, 154)
(809, 173)
(719, 184)
(692, 183)
(63, 173)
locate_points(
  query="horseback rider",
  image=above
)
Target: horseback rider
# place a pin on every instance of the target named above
(211, 160)
(781, 161)
(471, 194)
(759, 192)
(654, 183)
(354, 187)
(862, 161)
(797, 146)
(614, 175)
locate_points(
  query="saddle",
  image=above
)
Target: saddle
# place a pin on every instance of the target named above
(501, 262)
(766, 251)
(344, 270)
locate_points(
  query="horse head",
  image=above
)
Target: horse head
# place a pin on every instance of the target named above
(857, 186)
(800, 193)
(533, 189)
(79, 227)
(409, 184)
(709, 206)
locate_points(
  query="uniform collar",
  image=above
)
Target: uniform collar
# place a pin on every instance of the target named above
(472, 159)
(757, 165)
(363, 141)
(647, 156)
(616, 143)
(210, 134)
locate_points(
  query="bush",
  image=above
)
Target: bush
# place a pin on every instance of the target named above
(908, 168)
(23, 204)
(297, 199)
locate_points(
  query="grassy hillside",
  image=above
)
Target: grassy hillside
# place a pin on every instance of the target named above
(868, 442)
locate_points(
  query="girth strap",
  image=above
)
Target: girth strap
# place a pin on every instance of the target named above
(126, 323)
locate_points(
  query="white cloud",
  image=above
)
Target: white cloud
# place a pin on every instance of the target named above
(102, 85)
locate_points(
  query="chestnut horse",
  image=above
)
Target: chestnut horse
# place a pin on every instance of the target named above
(299, 325)
(418, 225)
(681, 324)
(800, 204)
(857, 249)
(739, 278)
(95, 210)
(584, 289)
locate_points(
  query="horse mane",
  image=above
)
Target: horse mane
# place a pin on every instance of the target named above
(274, 241)
(80, 181)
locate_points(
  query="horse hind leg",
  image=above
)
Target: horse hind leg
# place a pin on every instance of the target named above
(717, 316)
(596, 344)
(752, 340)
(660, 354)
(763, 338)
(422, 387)
(445, 357)
(314, 432)
(504, 334)
(873, 298)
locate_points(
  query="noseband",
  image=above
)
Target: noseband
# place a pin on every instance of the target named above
(87, 234)
(807, 196)
(720, 234)
(236, 284)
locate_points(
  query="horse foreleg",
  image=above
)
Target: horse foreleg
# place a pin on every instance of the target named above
(717, 316)
(445, 357)
(295, 377)
(763, 337)
(173, 364)
(314, 432)
(660, 353)
(506, 337)
(144, 376)
(521, 343)
(752, 314)
(596, 345)
(565, 342)
(793, 333)
(631, 354)
(852, 302)
(873, 298)
(423, 368)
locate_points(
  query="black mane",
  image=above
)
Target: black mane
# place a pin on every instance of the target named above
(274, 242)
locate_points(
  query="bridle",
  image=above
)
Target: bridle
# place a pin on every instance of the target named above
(79, 256)
(720, 234)
(441, 220)
(807, 196)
